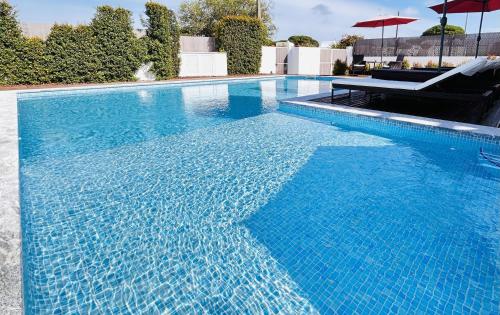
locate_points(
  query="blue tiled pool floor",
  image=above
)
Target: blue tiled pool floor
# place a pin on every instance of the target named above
(267, 214)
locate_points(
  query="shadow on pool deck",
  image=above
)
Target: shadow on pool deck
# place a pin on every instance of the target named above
(384, 229)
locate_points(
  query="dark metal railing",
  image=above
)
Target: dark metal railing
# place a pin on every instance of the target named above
(456, 45)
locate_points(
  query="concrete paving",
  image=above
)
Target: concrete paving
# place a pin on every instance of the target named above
(10, 228)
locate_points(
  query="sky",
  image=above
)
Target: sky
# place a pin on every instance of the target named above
(324, 20)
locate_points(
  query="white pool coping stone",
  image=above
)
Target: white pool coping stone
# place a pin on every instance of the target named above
(10, 225)
(147, 83)
(11, 301)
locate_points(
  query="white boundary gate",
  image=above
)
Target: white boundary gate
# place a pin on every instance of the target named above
(300, 60)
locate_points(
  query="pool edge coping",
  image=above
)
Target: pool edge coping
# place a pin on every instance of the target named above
(11, 297)
(101, 86)
(489, 133)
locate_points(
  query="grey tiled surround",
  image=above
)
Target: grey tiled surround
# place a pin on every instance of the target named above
(10, 235)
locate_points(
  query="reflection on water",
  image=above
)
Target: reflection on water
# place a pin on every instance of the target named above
(56, 124)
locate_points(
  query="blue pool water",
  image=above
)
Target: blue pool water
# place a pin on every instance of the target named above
(205, 198)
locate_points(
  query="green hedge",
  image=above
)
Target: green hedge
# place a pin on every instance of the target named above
(11, 44)
(72, 56)
(105, 51)
(163, 40)
(33, 68)
(242, 38)
(119, 51)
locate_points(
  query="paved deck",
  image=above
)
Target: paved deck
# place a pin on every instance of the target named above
(10, 228)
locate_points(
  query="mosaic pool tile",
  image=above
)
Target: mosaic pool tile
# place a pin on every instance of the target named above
(246, 210)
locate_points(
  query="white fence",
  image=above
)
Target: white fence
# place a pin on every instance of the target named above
(301, 60)
(268, 61)
(200, 59)
(304, 61)
(203, 65)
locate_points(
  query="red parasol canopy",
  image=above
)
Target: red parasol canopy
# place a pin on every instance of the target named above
(468, 6)
(385, 21)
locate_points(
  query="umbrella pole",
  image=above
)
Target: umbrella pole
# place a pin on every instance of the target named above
(444, 21)
(382, 49)
(480, 27)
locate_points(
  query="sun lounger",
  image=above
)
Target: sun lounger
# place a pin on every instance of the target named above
(459, 84)
(358, 64)
(404, 75)
(396, 65)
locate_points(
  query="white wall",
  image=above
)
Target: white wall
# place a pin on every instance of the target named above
(203, 64)
(349, 50)
(268, 61)
(293, 61)
(340, 54)
(304, 61)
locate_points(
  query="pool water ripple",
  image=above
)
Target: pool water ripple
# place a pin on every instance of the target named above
(260, 212)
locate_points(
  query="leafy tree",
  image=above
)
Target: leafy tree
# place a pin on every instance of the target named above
(241, 37)
(72, 56)
(303, 41)
(346, 41)
(11, 42)
(199, 17)
(448, 30)
(120, 52)
(162, 40)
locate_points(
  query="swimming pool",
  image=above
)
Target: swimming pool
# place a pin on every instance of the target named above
(198, 198)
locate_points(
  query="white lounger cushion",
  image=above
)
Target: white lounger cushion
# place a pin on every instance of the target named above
(387, 84)
(468, 69)
(492, 65)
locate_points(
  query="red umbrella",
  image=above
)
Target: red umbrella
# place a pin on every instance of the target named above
(467, 6)
(384, 21)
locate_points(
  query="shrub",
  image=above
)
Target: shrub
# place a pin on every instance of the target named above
(406, 64)
(72, 56)
(340, 67)
(417, 65)
(242, 38)
(119, 51)
(162, 40)
(303, 41)
(448, 30)
(11, 42)
(33, 68)
(431, 64)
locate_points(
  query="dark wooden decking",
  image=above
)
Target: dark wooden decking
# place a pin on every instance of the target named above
(447, 110)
